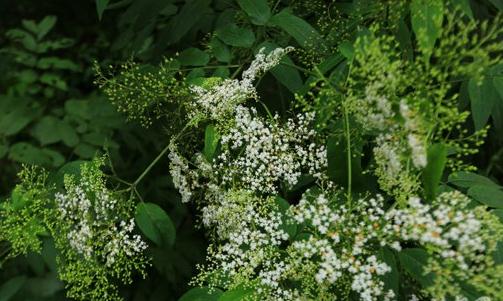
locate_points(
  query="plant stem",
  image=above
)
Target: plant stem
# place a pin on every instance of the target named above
(348, 151)
(161, 154)
(152, 164)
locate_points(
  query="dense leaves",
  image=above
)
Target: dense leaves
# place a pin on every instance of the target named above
(120, 80)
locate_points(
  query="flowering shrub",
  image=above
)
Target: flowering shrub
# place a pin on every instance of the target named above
(335, 161)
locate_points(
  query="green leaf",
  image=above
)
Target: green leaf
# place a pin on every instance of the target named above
(57, 158)
(3, 150)
(220, 50)
(466, 179)
(101, 5)
(211, 138)
(483, 98)
(78, 108)
(30, 25)
(11, 287)
(54, 80)
(57, 63)
(284, 72)
(347, 50)
(465, 7)
(70, 168)
(432, 173)
(258, 10)
(68, 134)
(14, 115)
(155, 224)
(222, 72)
(497, 112)
(193, 57)
(289, 228)
(179, 25)
(236, 294)
(27, 39)
(498, 213)
(47, 130)
(413, 261)
(45, 286)
(201, 294)
(45, 26)
(297, 28)
(426, 18)
(236, 36)
(26, 153)
(489, 195)
(85, 151)
(390, 279)
(497, 3)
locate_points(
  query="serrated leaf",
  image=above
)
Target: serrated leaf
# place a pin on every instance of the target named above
(432, 173)
(68, 134)
(57, 158)
(466, 179)
(390, 279)
(54, 80)
(296, 27)
(236, 294)
(497, 113)
(236, 36)
(466, 8)
(426, 18)
(413, 261)
(155, 224)
(289, 228)
(193, 57)
(201, 294)
(491, 196)
(258, 10)
(70, 168)
(482, 99)
(85, 150)
(26, 153)
(14, 120)
(222, 72)
(184, 21)
(45, 26)
(284, 72)
(47, 130)
(211, 138)
(221, 52)
(347, 50)
(57, 63)
(498, 213)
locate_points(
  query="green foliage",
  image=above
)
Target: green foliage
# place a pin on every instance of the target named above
(391, 86)
(155, 224)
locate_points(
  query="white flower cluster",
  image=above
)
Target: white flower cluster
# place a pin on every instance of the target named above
(388, 156)
(250, 244)
(93, 222)
(269, 152)
(453, 231)
(220, 99)
(399, 137)
(180, 174)
(344, 241)
(344, 245)
(414, 137)
(375, 110)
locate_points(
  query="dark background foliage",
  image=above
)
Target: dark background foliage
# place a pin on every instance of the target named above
(52, 112)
